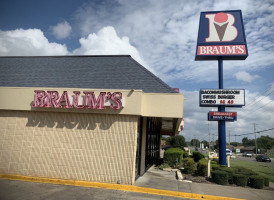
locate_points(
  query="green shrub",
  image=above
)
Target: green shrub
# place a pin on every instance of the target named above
(197, 156)
(173, 157)
(230, 172)
(220, 177)
(256, 181)
(162, 166)
(215, 167)
(266, 181)
(240, 180)
(202, 167)
(185, 154)
(189, 165)
(213, 162)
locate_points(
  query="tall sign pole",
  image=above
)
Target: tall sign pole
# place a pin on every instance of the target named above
(221, 37)
(221, 123)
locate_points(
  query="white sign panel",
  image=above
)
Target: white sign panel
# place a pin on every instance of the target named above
(222, 97)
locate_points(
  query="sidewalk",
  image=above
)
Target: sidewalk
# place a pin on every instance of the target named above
(164, 180)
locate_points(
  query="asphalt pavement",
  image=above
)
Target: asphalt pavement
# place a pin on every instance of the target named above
(154, 181)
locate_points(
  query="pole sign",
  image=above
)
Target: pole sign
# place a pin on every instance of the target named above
(221, 33)
(227, 116)
(222, 97)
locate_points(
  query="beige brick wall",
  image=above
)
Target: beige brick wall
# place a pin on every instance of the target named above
(75, 146)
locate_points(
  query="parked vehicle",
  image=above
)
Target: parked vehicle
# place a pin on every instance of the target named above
(228, 152)
(263, 158)
(247, 154)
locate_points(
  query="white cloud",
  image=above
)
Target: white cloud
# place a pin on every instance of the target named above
(107, 42)
(30, 42)
(61, 30)
(245, 76)
(166, 33)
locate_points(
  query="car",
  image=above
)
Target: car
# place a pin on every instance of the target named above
(247, 154)
(263, 158)
(228, 152)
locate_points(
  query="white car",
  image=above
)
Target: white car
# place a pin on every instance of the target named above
(228, 152)
(247, 154)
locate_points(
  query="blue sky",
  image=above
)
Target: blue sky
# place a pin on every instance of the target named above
(161, 35)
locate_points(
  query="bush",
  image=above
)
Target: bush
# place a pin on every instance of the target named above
(215, 167)
(213, 162)
(189, 165)
(216, 160)
(185, 154)
(202, 167)
(256, 181)
(266, 181)
(173, 157)
(240, 180)
(197, 156)
(220, 177)
(162, 166)
(230, 172)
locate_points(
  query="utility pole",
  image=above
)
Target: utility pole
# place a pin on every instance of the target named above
(255, 138)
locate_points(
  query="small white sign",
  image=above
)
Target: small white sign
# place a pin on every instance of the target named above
(222, 97)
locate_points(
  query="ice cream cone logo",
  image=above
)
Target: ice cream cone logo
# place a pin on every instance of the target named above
(220, 23)
(221, 27)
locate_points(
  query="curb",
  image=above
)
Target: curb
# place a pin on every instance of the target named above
(129, 188)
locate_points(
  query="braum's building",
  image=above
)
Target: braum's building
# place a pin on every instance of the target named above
(92, 118)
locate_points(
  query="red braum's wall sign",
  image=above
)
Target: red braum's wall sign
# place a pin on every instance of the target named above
(52, 99)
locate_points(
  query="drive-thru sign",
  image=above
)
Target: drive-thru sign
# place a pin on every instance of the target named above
(221, 37)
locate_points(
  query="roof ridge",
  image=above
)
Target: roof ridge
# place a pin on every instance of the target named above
(153, 75)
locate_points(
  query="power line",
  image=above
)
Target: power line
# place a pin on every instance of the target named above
(255, 132)
(255, 102)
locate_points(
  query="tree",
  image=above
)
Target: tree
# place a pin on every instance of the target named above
(216, 146)
(195, 142)
(235, 144)
(206, 144)
(246, 142)
(177, 141)
(265, 142)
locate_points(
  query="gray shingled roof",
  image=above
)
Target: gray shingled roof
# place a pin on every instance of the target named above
(96, 72)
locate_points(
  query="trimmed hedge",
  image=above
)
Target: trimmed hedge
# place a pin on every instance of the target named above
(202, 167)
(256, 181)
(240, 180)
(185, 154)
(173, 157)
(197, 156)
(220, 177)
(230, 172)
(266, 181)
(215, 167)
(189, 165)
(213, 162)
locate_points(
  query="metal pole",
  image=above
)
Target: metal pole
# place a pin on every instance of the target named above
(221, 123)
